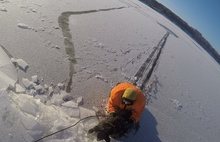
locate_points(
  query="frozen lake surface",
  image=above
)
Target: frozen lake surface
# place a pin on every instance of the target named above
(60, 59)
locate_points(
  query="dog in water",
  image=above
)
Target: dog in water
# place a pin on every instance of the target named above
(115, 127)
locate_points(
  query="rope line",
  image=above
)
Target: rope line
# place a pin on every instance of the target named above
(67, 127)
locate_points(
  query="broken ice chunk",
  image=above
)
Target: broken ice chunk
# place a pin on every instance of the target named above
(23, 26)
(86, 112)
(79, 101)
(177, 104)
(19, 89)
(42, 98)
(33, 10)
(39, 89)
(70, 104)
(29, 123)
(28, 106)
(101, 78)
(95, 108)
(13, 60)
(61, 86)
(57, 100)
(99, 45)
(72, 112)
(35, 79)
(34, 128)
(56, 27)
(46, 87)
(3, 9)
(27, 83)
(67, 97)
(22, 64)
(32, 92)
(50, 91)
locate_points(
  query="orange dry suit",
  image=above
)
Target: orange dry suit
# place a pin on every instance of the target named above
(115, 101)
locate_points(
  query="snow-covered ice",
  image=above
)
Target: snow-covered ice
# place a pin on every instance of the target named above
(3, 9)
(21, 64)
(61, 58)
(176, 103)
(23, 26)
(27, 83)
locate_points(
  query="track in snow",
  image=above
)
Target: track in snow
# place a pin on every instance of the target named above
(145, 71)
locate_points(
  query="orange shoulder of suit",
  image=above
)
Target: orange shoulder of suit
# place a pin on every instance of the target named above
(115, 100)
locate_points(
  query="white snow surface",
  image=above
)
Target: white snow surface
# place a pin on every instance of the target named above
(59, 60)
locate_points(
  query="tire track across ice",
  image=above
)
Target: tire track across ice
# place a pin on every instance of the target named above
(145, 71)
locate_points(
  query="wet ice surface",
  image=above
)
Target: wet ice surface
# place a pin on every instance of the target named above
(71, 53)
